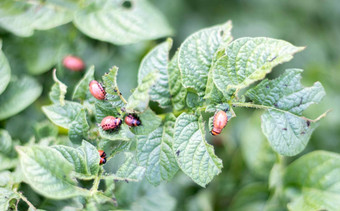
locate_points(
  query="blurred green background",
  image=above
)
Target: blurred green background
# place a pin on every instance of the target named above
(311, 23)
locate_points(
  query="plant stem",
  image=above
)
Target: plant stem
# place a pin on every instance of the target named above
(121, 96)
(26, 200)
(96, 182)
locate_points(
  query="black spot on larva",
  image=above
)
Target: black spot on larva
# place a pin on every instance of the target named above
(115, 180)
(285, 85)
(275, 104)
(267, 86)
(284, 128)
(308, 123)
(115, 90)
(302, 133)
(126, 181)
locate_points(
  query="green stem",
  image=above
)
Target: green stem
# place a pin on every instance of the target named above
(121, 96)
(26, 200)
(96, 182)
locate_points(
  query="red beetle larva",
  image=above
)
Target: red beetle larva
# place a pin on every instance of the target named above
(219, 122)
(110, 123)
(97, 90)
(73, 63)
(102, 157)
(132, 120)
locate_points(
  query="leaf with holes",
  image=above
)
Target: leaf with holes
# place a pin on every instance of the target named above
(112, 21)
(48, 172)
(316, 176)
(194, 155)
(247, 60)
(25, 90)
(286, 130)
(197, 52)
(6, 195)
(157, 59)
(154, 151)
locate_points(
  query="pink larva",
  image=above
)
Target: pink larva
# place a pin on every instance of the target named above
(73, 63)
(110, 123)
(97, 90)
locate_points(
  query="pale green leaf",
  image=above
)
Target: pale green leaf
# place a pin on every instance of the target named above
(121, 134)
(6, 196)
(197, 52)
(130, 170)
(22, 18)
(155, 200)
(288, 133)
(110, 82)
(45, 129)
(58, 90)
(313, 199)
(19, 94)
(82, 88)
(110, 21)
(6, 144)
(104, 108)
(316, 175)
(75, 157)
(91, 157)
(139, 100)
(48, 172)
(287, 93)
(157, 59)
(247, 60)
(5, 71)
(149, 122)
(85, 159)
(62, 115)
(79, 127)
(7, 162)
(154, 151)
(194, 155)
(5, 177)
(177, 91)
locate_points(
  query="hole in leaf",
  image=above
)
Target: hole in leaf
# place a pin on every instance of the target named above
(127, 4)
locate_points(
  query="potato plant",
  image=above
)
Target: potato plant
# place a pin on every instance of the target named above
(177, 95)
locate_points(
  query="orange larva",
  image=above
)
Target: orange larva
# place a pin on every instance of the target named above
(132, 120)
(110, 123)
(219, 122)
(73, 63)
(102, 157)
(101, 153)
(97, 90)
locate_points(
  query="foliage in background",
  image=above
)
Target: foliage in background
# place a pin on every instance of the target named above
(249, 160)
